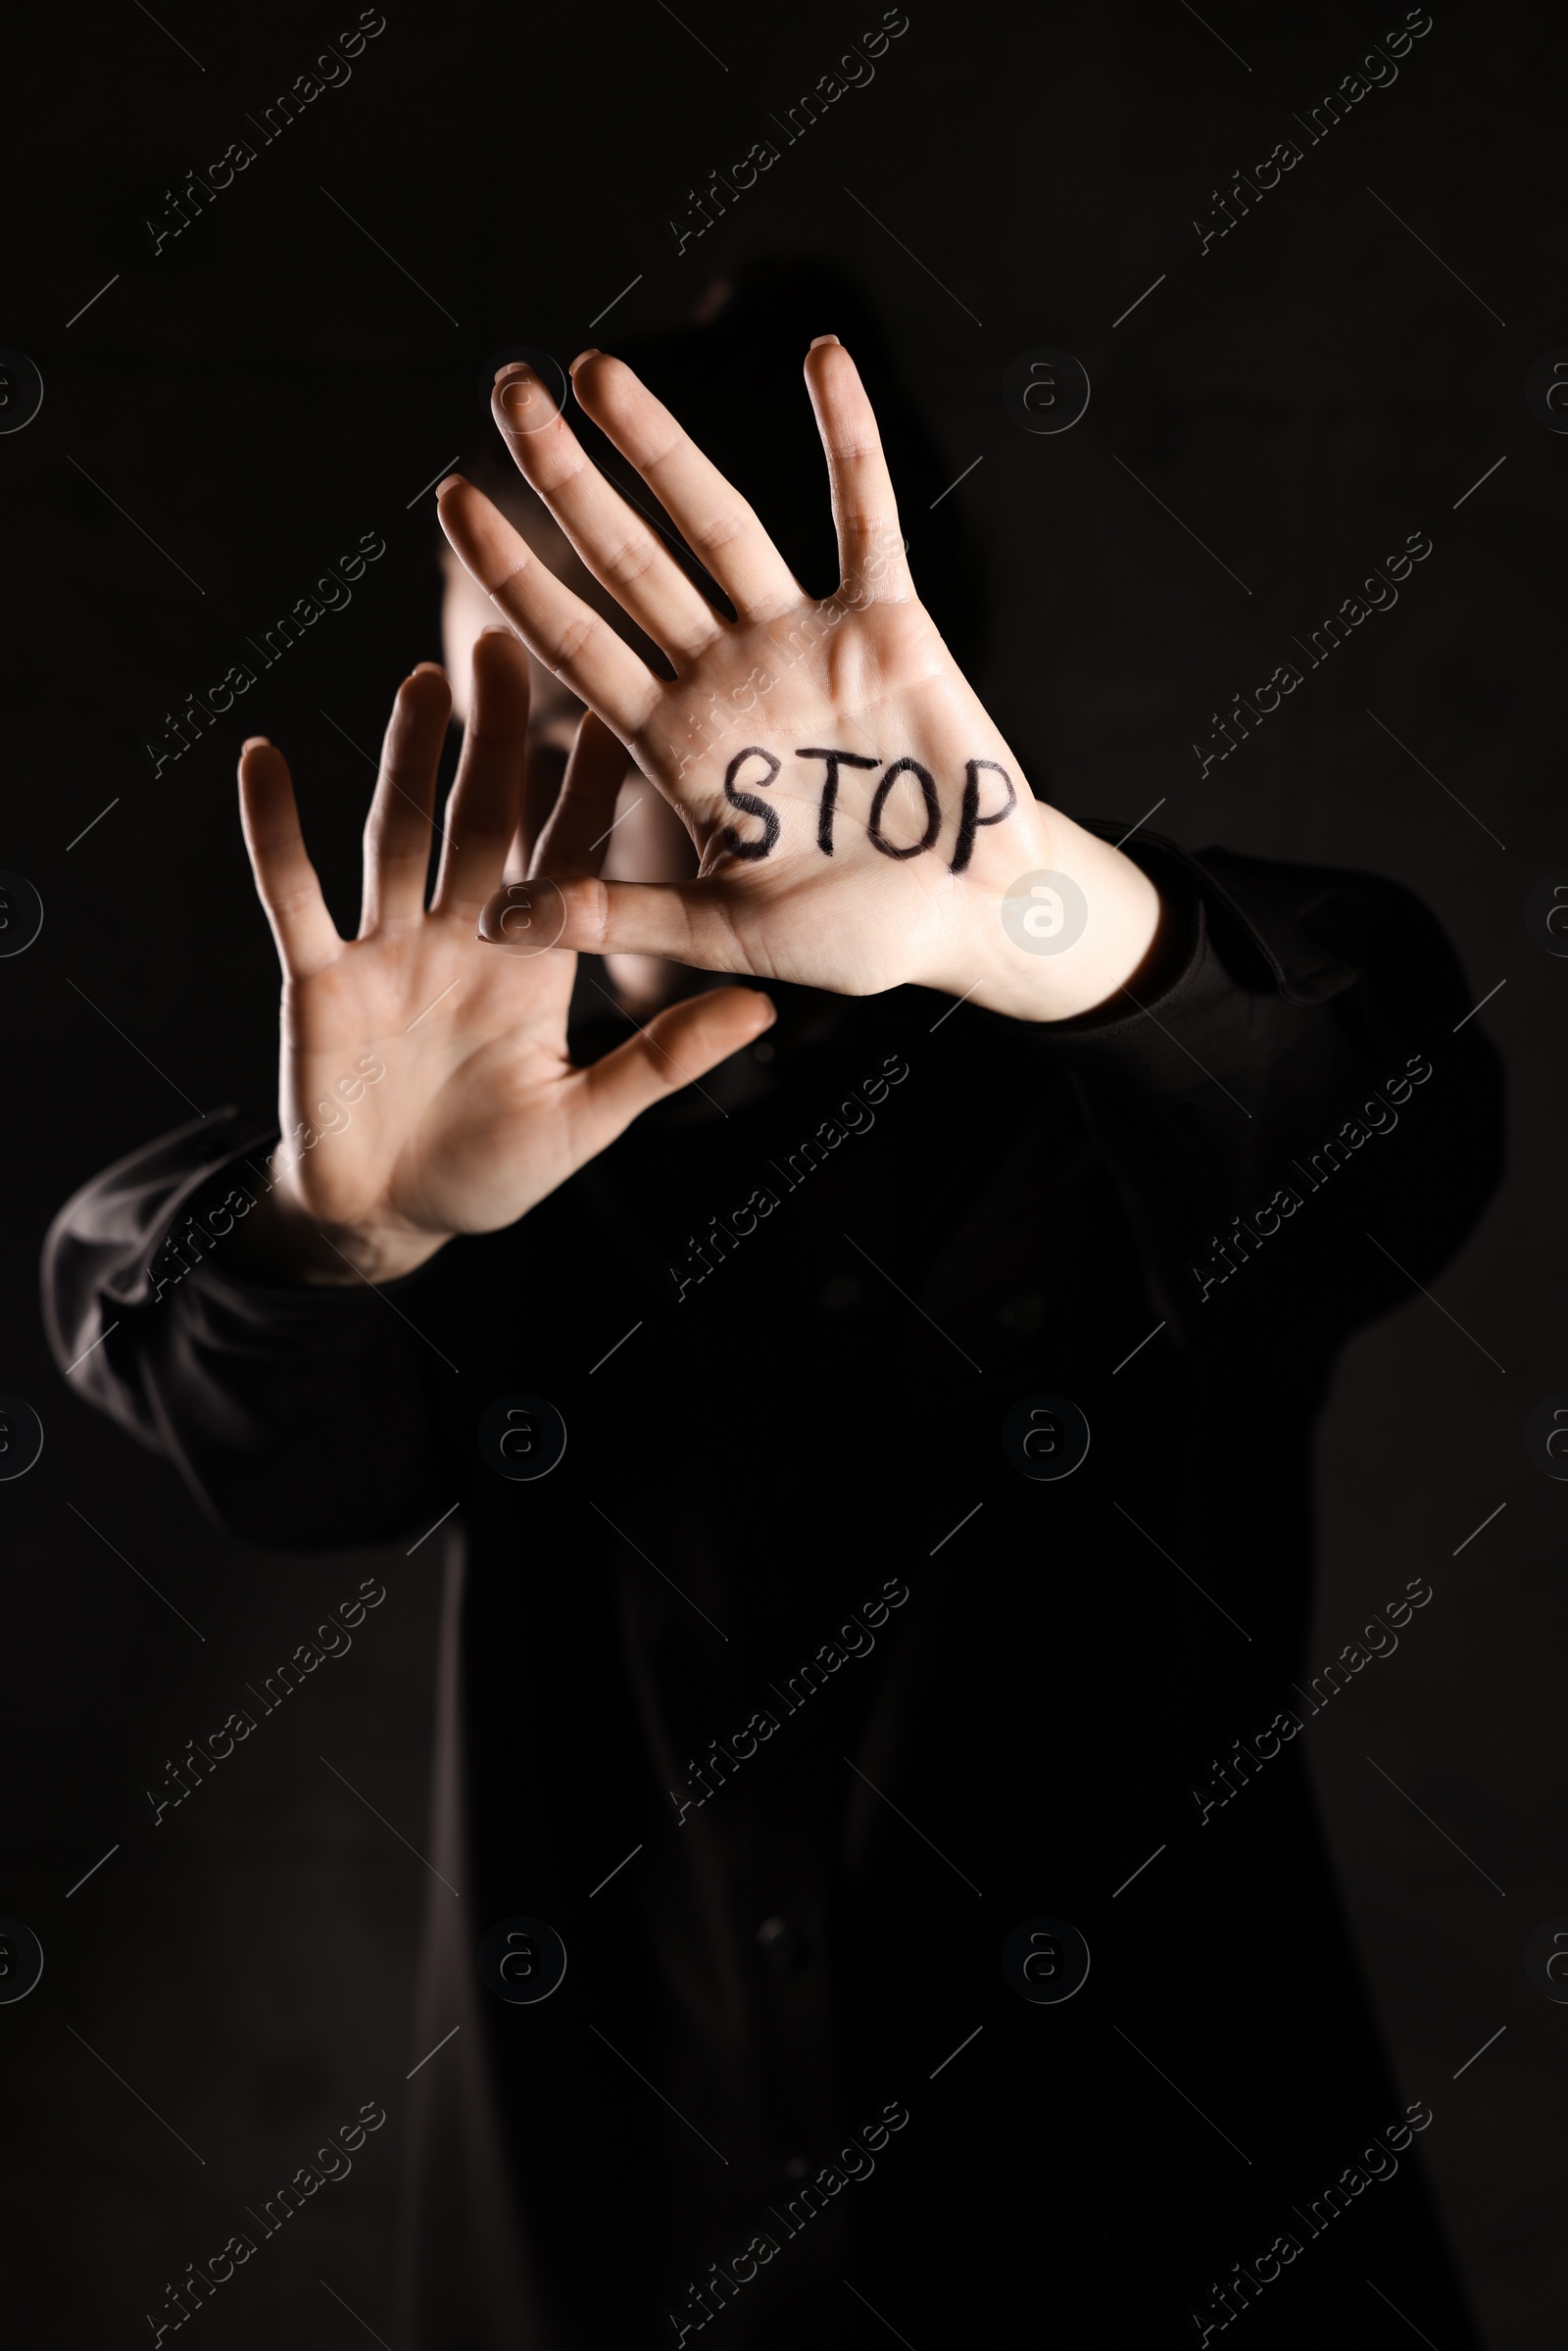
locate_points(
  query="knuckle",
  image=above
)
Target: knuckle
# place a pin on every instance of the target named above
(866, 523)
(723, 529)
(628, 561)
(673, 446)
(577, 633)
(560, 461)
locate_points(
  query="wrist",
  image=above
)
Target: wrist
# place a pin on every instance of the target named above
(283, 1242)
(1066, 939)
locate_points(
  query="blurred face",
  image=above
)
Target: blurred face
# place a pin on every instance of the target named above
(649, 842)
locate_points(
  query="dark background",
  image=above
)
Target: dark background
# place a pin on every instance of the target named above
(271, 386)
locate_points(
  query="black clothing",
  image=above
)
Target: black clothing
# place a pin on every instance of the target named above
(1019, 1684)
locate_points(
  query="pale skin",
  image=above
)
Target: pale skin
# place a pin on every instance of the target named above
(647, 841)
(481, 1113)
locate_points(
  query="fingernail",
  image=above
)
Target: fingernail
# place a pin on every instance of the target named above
(255, 742)
(450, 483)
(592, 352)
(511, 368)
(772, 1012)
(816, 339)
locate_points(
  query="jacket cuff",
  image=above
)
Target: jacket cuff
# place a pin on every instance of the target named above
(1230, 936)
(161, 1217)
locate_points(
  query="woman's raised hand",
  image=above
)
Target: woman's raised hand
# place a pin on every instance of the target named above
(858, 818)
(424, 1084)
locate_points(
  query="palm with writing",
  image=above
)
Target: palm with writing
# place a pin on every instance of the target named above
(858, 816)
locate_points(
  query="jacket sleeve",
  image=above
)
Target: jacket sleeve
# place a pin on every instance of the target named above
(1303, 1117)
(299, 1417)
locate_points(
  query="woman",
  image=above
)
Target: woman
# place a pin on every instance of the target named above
(866, 1414)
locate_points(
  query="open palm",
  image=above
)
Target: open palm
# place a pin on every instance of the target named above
(425, 1088)
(858, 818)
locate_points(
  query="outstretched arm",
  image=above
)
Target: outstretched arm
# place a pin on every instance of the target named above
(219, 1304)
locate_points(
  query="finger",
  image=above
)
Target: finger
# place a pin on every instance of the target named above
(678, 1047)
(556, 627)
(714, 519)
(397, 831)
(615, 542)
(486, 800)
(864, 510)
(576, 839)
(285, 879)
(541, 791)
(685, 922)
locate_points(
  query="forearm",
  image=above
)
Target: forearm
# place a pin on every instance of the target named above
(1264, 1104)
(257, 1391)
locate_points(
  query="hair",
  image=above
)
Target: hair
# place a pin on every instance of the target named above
(732, 375)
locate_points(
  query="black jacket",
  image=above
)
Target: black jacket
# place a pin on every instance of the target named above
(790, 1619)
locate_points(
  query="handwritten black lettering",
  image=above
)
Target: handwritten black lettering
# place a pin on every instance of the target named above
(970, 818)
(830, 789)
(752, 806)
(933, 808)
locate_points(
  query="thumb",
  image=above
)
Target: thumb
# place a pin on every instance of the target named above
(685, 922)
(675, 1049)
